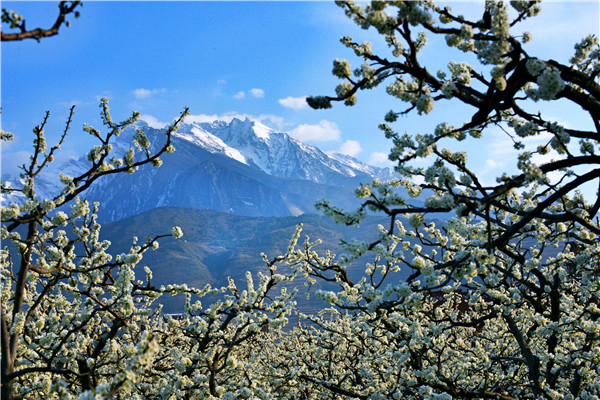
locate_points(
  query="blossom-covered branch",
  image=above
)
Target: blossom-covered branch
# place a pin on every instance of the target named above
(16, 21)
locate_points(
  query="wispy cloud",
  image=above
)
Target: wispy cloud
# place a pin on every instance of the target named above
(490, 166)
(76, 103)
(274, 121)
(258, 93)
(380, 158)
(105, 95)
(325, 131)
(146, 93)
(295, 103)
(153, 122)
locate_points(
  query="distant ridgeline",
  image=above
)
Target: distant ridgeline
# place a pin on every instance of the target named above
(236, 189)
(218, 245)
(241, 167)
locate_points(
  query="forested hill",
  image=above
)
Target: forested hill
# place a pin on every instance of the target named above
(216, 245)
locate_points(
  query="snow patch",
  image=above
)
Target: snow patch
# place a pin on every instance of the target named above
(262, 131)
(211, 143)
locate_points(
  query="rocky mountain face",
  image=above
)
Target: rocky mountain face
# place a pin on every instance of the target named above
(278, 154)
(241, 167)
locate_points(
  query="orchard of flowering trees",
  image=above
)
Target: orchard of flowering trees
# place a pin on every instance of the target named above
(501, 301)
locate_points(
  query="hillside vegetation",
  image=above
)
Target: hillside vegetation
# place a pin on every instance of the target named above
(218, 245)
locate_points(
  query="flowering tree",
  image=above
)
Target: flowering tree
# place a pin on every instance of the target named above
(75, 321)
(503, 300)
(52, 295)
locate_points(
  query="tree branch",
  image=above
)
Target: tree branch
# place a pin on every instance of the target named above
(39, 33)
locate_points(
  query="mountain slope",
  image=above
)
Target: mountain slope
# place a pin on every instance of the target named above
(194, 177)
(242, 167)
(217, 245)
(278, 154)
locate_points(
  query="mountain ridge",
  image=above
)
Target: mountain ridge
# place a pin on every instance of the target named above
(240, 167)
(256, 144)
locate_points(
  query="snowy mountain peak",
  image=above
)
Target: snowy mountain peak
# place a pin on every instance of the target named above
(276, 153)
(262, 131)
(238, 130)
(216, 151)
(211, 143)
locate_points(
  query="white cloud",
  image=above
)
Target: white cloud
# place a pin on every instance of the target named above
(380, 158)
(350, 148)
(503, 146)
(418, 180)
(142, 93)
(541, 159)
(489, 163)
(296, 103)
(227, 117)
(145, 93)
(221, 82)
(76, 103)
(152, 121)
(325, 131)
(258, 93)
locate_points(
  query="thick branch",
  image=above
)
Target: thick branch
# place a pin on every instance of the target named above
(40, 33)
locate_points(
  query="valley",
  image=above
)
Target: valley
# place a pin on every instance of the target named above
(217, 245)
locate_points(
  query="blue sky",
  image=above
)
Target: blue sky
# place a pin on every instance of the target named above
(225, 59)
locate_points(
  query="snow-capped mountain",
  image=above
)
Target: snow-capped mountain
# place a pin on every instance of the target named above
(277, 153)
(241, 167)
